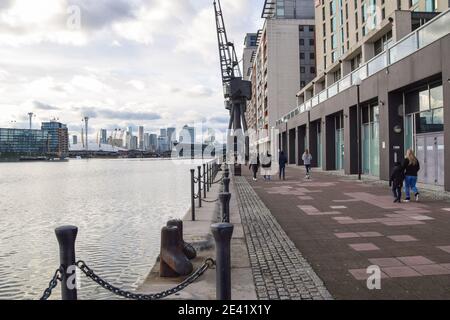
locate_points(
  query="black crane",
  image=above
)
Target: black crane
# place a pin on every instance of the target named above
(236, 90)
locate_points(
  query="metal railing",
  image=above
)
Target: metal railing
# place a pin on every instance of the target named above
(430, 32)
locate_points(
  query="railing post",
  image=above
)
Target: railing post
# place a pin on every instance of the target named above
(66, 236)
(207, 177)
(225, 205)
(226, 184)
(222, 233)
(199, 178)
(193, 194)
(204, 181)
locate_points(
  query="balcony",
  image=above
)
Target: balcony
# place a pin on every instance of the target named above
(430, 32)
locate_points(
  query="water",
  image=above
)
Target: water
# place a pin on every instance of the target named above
(119, 207)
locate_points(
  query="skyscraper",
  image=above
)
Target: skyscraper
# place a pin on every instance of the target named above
(171, 137)
(141, 138)
(103, 136)
(187, 135)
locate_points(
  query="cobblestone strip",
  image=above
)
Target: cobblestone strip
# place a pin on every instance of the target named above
(280, 272)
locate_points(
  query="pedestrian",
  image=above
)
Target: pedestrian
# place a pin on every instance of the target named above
(307, 158)
(267, 166)
(254, 166)
(282, 161)
(411, 167)
(396, 181)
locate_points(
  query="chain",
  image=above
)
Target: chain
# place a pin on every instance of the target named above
(211, 201)
(52, 284)
(218, 181)
(209, 263)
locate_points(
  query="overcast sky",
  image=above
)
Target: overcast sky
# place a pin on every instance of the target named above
(125, 62)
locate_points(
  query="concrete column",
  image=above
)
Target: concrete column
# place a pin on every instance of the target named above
(329, 80)
(346, 68)
(292, 146)
(308, 95)
(329, 144)
(402, 25)
(297, 156)
(387, 123)
(351, 140)
(318, 87)
(446, 89)
(301, 143)
(368, 52)
(312, 134)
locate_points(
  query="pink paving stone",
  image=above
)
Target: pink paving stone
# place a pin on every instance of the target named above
(415, 260)
(329, 213)
(361, 274)
(364, 247)
(446, 209)
(305, 198)
(386, 262)
(400, 272)
(431, 270)
(445, 248)
(402, 238)
(370, 234)
(400, 224)
(347, 235)
(343, 218)
(445, 265)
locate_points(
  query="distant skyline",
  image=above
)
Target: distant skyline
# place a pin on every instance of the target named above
(124, 62)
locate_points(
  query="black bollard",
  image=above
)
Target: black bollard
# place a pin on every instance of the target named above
(173, 262)
(226, 184)
(188, 250)
(66, 238)
(225, 205)
(199, 178)
(227, 173)
(222, 233)
(193, 194)
(207, 177)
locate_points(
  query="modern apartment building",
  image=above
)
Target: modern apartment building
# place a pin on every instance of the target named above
(284, 62)
(383, 77)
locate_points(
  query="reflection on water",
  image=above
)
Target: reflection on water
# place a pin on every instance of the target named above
(119, 207)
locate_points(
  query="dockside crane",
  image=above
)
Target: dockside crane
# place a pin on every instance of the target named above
(236, 90)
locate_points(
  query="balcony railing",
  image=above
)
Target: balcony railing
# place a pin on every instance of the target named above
(434, 30)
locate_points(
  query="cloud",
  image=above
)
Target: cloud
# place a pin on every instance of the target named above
(43, 106)
(200, 91)
(220, 119)
(110, 114)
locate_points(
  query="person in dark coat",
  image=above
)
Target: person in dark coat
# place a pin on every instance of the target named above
(396, 182)
(254, 166)
(282, 161)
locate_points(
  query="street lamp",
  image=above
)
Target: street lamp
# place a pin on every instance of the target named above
(358, 127)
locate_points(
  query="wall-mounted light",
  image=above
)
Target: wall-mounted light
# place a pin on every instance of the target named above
(391, 20)
(382, 103)
(448, 80)
(398, 129)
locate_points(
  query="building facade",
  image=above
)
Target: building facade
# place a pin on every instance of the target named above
(283, 63)
(58, 138)
(389, 86)
(22, 142)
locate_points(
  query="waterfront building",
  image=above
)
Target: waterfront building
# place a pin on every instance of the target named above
(250, 46)
(23, 142)
(103, 136)
(383, 77)
(74, 140)
(146, 141)
(153, 142)
(163, 144)
(141, 138)
(283, 63)
(171, 136)
(134, 143)
(58, 142)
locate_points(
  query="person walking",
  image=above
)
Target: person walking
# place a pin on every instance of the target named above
(282, 161)
(254, 166)
(396, 182)
(307, 158)
(411, 167)
(267, 165)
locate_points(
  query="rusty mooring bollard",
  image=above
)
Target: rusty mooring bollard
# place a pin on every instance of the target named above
(193, 194)
(225, 205)
(226, 173)
(204, 181)
(66, 236)
(188, 250)
(222, 233)
(173, 262)
(199, 178)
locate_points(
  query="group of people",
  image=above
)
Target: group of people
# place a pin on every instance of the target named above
(406, 173)
(282, 163)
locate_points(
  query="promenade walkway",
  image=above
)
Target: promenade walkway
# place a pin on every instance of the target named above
(341, 227)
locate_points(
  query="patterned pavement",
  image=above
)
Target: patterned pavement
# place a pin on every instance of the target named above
(342, 227)
(279, 270)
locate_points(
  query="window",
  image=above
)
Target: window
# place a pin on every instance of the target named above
(311, 42)
(311, 28)
(312, 55)
(312, 70)
(302, 70)
(302, 55)
(302, 84)
(302, 42)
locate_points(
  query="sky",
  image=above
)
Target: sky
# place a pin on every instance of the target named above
(120, 62)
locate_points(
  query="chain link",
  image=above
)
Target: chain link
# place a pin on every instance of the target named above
(209, 263)
(211, 201)
(218, 181)
(52, 284)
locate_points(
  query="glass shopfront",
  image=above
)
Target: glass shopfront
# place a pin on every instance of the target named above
(424, 130)
(370, 140)
(339, 140)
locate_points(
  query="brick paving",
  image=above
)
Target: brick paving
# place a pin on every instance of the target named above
(342, 227)
(280, 272)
